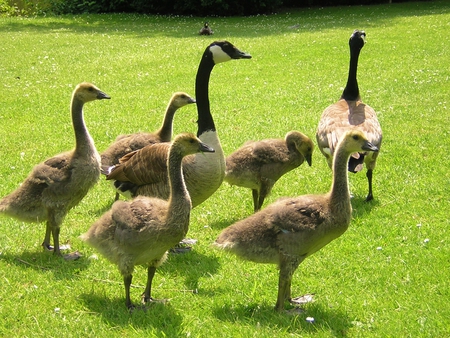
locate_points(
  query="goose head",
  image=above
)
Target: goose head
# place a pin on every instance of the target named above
(222, 51)
(357, 40)
(181, 99)
(86, 92)
(355, 141)
(302, 143)
(188, 143)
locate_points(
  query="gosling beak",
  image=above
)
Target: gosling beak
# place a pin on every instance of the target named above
(308, 159)
(192, 100)
(369, 146)
(101, 95)
(205, 148)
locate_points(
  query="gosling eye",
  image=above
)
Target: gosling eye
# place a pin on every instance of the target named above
(91, 89)
(356, 137)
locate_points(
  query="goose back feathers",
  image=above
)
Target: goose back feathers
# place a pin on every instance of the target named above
(125, 144)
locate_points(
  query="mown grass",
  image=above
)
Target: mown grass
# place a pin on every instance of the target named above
(386, 276)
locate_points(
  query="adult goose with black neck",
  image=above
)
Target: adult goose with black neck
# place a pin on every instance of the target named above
(144, 172)
(351, 113)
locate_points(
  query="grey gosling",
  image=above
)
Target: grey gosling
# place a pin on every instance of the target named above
(291, 229)
(139, 232)
(351, 113)
(125, 144)
(61, 182)
(144, 172)
(259, 165)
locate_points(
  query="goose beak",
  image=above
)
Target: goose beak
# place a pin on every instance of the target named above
(308, 159)
(205, 148)
(101, 95)
(369, 146)
(240, 55)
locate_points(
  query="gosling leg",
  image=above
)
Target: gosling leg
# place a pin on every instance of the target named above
(369, 179)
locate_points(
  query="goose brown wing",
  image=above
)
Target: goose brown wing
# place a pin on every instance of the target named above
(145, 166)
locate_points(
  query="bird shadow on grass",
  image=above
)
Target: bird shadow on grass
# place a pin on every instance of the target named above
(361, 208)
(47, 262)
(156, 316)
(194, 265)
(324, 319)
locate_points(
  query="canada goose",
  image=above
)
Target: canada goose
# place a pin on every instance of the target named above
(351, 113)
(139, 232)
(259, 165)
(144, 172)
(206, 30)
(60, 183)
(125, 144)
(291, 229)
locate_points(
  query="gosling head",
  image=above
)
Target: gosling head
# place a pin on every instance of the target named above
(355, 141)
(303, 143)
(181, 99)
(222, 51)
(86, 92)
(188, 143)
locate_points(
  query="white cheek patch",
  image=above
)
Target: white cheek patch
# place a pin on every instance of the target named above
(218, 54)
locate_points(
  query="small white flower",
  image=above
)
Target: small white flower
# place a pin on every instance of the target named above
(426, 240)
(379, 248)
(57, 309)
(310, 319)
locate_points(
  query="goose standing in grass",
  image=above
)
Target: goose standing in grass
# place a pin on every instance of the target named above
(144, 172)
(125, 144)
(259, 165)
(60, 183)
(206, 30)
(140, 232)
(351, 113)
(291, 229)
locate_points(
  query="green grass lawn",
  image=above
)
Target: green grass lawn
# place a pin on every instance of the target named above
(387, 276)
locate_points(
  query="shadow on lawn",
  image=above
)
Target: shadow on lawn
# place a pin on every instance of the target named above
(148, 26)
(265, 316)
(161, 317)
(46, 262)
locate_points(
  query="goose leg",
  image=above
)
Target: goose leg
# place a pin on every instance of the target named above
(52, 228)
(146, 296)
(46, 242)
(266, 187)
(369, 179)
(255, 194)
(287, 269)
(127, 283)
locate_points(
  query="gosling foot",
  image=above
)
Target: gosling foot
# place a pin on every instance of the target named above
(184, 246)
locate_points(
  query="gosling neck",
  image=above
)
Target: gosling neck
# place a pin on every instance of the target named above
(351, 90)
(166, 130)
(180, 200)
(205, 120)
(340, 195)
(83, 140)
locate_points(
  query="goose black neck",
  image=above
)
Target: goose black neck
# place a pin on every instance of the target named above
(351, 90)
(205, 120)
